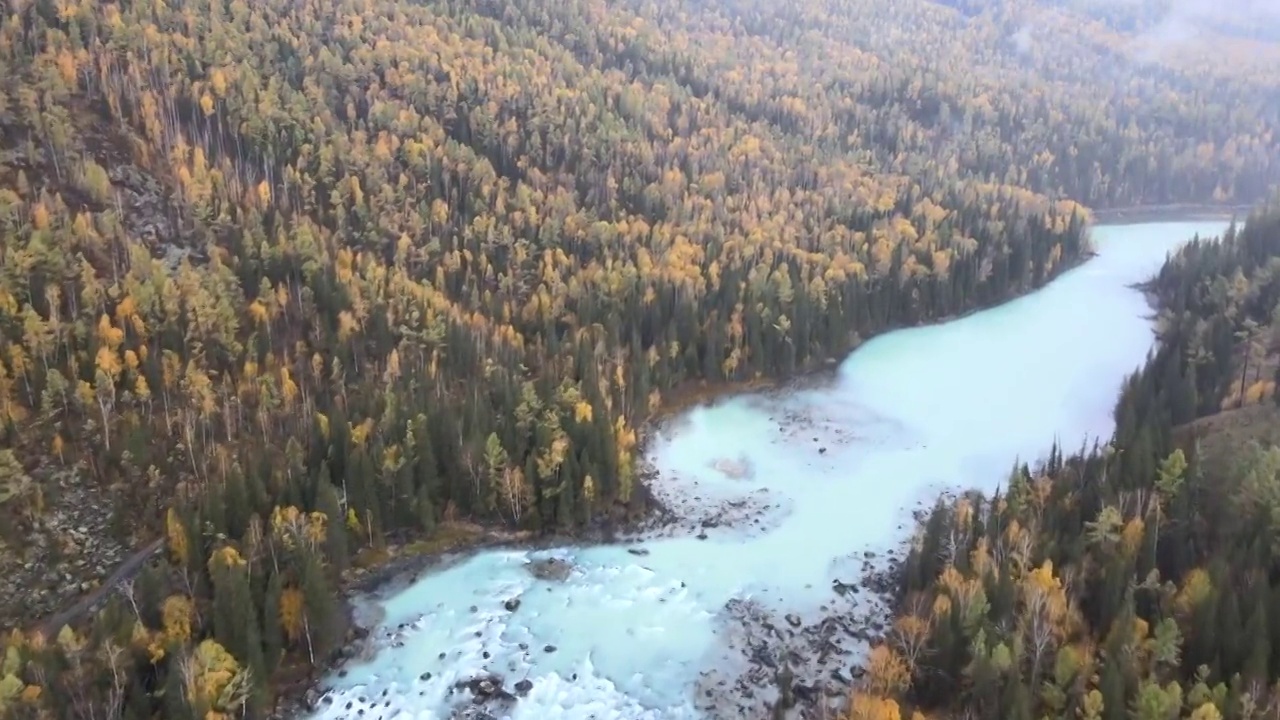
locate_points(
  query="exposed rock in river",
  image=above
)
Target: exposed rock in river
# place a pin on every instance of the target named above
(551, 569)
(739, 469)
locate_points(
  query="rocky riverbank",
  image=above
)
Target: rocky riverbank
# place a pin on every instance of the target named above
(804, 657)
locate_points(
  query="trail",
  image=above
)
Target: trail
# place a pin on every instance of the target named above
(51, 625)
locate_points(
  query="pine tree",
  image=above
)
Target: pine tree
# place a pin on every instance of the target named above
(272, 630)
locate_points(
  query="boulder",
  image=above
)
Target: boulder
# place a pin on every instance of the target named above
(551, 569)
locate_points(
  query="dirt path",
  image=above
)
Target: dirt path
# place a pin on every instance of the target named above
(51, 625)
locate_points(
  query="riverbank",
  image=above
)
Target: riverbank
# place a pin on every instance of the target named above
(839, 504)
(831, 640)
(1168, 213)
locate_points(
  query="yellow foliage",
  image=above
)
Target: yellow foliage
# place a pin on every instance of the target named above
(1259, 391)
(951, 580)
(292, 610)
(177, 537)
(289, 389)
(1195, 590)
(258, 312)
(582, 412)
(212, 670)
(151, 642)
(941, 606)
(980, 559)
(126, 309)
(69, 641)
(360, 433)
(10, 690)
(1131, 537)
(226, 557)
(887, 672)
(1042, 578)
(12, 657)
(110, 335)
(1140, 629)
(218, 81)
(864, 706)
(291, 524)
(177, 614)
(1207, 711)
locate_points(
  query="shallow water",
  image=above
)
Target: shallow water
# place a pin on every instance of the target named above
(821, 476)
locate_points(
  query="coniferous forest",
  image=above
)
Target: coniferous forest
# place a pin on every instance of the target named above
(1134, 580)
(283, 283)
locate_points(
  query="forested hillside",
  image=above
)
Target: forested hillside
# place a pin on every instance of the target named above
(281, 280)
(1133, 581)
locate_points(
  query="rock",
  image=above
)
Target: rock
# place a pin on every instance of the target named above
(793, 620)
(638, 551)
(471, 712)
(549, 648)
(739, 469)
(551, 569)
(804, 693)
(311, 698)
(484, 687)
(512, 604)
(523, 687)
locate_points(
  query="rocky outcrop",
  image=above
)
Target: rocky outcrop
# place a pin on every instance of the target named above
(798, 666)
(62, 554)
(553, 569)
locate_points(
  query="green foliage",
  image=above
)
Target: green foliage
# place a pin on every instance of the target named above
(14, 481)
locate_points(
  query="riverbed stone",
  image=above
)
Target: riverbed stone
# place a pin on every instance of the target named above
(551, 569)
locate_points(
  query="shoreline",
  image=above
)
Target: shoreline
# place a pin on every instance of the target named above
(406, 559)
(1181, 212)
(395, 573)
(693, 393)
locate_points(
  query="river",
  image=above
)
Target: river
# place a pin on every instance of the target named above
(802, 486)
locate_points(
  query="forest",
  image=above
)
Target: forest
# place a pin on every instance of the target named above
(284, 283)
(1133, 580)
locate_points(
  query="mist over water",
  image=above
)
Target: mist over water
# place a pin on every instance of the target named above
(821, 476)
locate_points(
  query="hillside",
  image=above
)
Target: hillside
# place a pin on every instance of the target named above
(284, 282)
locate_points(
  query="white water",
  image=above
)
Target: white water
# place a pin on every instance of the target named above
(910, 414)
